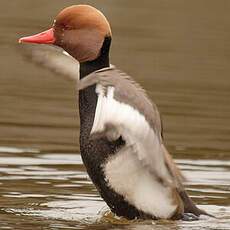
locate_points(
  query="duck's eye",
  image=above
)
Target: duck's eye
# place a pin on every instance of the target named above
(62, 26)
(67, 27)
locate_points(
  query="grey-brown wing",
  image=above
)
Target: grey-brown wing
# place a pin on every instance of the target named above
(52, 58)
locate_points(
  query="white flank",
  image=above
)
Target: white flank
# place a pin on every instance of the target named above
(134, 171)
(139, 187)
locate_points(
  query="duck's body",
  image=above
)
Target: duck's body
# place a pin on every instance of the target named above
(120, 128)
(122, 149)
(122, 179)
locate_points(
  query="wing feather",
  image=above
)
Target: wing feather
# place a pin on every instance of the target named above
(52, 58)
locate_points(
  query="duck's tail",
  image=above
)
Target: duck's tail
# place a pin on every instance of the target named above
(189, 206)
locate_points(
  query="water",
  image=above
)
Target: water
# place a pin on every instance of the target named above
(179, 51)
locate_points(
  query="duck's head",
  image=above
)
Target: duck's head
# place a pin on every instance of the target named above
(80, 30)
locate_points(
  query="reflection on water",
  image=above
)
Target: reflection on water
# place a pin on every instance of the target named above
(56, 187)
(179, 51)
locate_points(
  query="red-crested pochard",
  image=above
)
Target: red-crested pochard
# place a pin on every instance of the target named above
(120, 128)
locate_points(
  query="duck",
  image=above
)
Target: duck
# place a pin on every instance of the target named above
(121, 137)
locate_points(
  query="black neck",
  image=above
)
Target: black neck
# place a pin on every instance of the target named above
(88, 97)
(101, 62)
